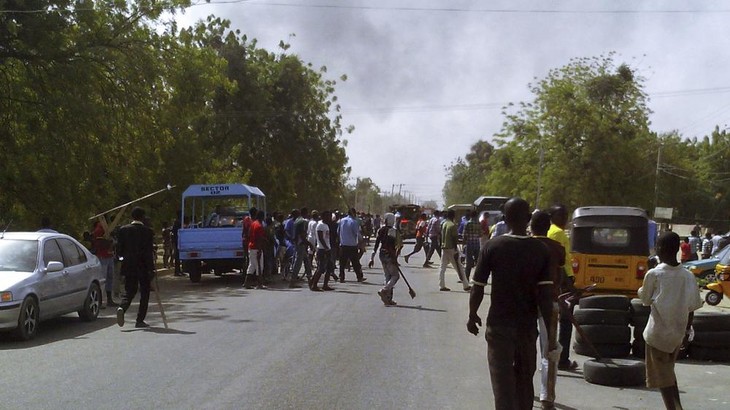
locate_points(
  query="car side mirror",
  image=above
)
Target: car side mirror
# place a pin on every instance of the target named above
(54, 266)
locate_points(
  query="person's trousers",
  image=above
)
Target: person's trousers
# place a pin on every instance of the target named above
(451, 257)
(107, 266)
(390, 270)
(548, 371)
(324, 260)
(435, 247)
(302, 258)
(512, 353)
(418, 246)
(255, 262)
(350, 253)
(132, 283)
(565, 333)
(472, 254)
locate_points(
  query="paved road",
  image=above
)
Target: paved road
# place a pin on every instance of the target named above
(293, 349)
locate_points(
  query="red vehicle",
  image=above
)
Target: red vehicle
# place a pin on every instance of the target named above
(409, 216)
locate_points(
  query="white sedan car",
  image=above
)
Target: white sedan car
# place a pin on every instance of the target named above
(44, 275)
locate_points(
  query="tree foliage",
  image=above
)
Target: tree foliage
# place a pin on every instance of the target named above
(103, 102)
(588, 127)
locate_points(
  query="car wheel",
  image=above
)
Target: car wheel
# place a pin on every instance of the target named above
(614, 372)
(713, 298)
(28, 319)
(92, 304)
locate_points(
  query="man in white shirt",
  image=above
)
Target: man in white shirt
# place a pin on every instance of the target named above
(672, 293)
(325, 264)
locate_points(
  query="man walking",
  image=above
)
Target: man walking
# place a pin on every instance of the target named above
(434, 236)
(472, 242)
(300, 225)
(386, 239)
(672, 293)
(256, 246)
(559, 220)
(135, 249)
(103, 246)
(349, 229)
(520, 270)
(539, 225)
(324, 250)
(449, 253)
(421, 227)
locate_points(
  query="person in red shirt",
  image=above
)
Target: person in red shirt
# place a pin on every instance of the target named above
(256, 244)
(686, 250)
(102, 246)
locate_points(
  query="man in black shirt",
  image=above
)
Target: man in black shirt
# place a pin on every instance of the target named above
(521, 282)
(136, 249)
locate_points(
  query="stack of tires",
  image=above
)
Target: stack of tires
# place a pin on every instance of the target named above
(639, 319)
(604, 320)
(712, 337)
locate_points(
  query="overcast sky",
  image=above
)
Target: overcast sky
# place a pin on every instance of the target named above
(427, 79)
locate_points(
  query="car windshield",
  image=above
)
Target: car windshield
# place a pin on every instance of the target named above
(18, 255)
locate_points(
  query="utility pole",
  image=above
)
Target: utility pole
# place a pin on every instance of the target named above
(656, 178)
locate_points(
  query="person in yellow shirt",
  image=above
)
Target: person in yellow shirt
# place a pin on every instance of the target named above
(559, 220)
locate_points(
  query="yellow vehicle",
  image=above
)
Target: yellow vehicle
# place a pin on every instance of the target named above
(721, 286)
(610, 247)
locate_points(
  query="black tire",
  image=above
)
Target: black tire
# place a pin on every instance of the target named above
(639, 333)
(605, 350)
(28, 319)
(193, 270)
(638, 308)
(614, 372)
(605, 334)
(712, 339)
(709, 353)
(611, 302)
(638, 348)
(640, 322)
(90, 310)
(601, 317)
(713, 298)
(711, 322)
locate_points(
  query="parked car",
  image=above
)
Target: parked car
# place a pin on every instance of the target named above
(45, 275)
(705, 268)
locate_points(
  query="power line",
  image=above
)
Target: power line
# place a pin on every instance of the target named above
(417, 9)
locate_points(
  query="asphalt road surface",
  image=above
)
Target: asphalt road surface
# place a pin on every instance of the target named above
(281, 348)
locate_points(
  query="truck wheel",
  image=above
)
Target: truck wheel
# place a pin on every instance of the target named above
(193, 270)
(614, 372)
(713, 298)
(592, 316)
(612, 302)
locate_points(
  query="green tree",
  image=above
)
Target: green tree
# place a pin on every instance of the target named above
(584, 140)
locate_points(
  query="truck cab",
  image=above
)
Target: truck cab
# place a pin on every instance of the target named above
(209, 240)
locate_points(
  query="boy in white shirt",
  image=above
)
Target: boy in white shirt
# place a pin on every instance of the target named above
(673, 295)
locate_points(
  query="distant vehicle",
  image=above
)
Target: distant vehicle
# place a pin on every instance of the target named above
(211, 242)
(490, 203)
(705, 268)
(409, 214)
(460, 210)
(610, 247)
(45, 275)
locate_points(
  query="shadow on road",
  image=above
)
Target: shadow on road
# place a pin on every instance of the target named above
(160, 330)
(57, 329)
(419, 307)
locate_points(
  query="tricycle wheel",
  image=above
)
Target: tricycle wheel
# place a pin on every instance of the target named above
(709, 276)
(713, 298)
